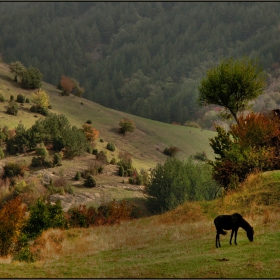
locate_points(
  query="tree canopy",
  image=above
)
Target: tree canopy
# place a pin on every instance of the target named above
(232, 85)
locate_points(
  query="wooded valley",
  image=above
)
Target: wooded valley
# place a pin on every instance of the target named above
(144, 58)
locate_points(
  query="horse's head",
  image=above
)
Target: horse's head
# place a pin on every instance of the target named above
(250, 234)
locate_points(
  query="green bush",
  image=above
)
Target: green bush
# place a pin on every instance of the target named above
(12, 108)
(77, 176)
(125, 168)
(126, 125)
(175, 182)
(171, 151)
(20, 98)
(37, 162)
(41, 150)
(57, 160)
(2, 99)
(12, 169)
(201, 156)
(42, 217)
(90, 182)
(32, 78)
(111, 147)
(2, 155)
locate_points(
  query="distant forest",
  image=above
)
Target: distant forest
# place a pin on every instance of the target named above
(144, 58)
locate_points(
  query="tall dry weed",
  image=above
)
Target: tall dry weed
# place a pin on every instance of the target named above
(48, 245)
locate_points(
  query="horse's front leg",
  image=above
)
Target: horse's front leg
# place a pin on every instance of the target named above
(231, 237)
(235, 236)
(218, 244)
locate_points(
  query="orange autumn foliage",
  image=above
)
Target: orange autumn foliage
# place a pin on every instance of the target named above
(12, 217)
(90, 132)
(67, 84)
(256, 129)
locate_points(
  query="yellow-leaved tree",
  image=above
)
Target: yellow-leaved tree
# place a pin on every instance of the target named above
(41, 99)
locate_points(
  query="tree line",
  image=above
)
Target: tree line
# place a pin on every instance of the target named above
(145, 58)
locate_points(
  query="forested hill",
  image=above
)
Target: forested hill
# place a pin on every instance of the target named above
(145, 58)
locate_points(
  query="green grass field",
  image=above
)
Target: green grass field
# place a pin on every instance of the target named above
(177, 244)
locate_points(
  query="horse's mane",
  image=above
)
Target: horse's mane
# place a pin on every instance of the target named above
(244, 224)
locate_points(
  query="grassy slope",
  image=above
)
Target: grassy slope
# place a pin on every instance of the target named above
(145, 144)
(178, 244)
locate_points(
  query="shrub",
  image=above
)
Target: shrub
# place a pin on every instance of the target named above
(106, 214)
(43, 216)
(90, 182)
(95, 152)
(175, 182)
(126, 125)
(2, 155)
(41, 150)
(113, 161)
(171, 151)
(192, 124)
(57, 159)
(37, 162)
(111, 147)
(27, 100)
(12, 108)
(90, 132)
(89, 121)
(125, 168)
(20, 98)
(22, 250)
(94, 169)
(2, 99)
(201, 156)
(12, 169)
(101, 156)
(77, 176)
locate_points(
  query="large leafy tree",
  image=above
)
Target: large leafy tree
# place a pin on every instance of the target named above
(232, 85)
(32, 78)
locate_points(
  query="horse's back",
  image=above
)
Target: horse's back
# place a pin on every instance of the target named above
(227, 222)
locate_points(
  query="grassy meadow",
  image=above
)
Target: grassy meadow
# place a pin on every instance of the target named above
(177, 244)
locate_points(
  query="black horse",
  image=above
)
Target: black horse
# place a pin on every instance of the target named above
(232, 222)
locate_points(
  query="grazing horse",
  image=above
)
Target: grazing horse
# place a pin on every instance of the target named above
(232, 222)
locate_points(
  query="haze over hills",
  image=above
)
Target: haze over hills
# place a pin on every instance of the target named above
(144, 58)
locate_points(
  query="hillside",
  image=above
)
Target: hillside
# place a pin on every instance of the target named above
(145, 144)
(177, 244)
(144, 58)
